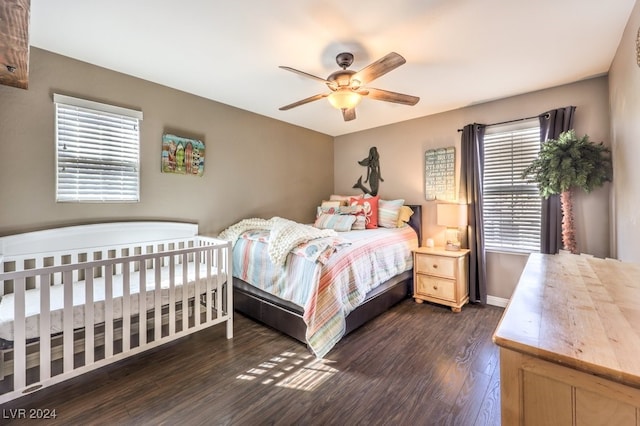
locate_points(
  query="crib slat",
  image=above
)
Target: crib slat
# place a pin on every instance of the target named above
(126, 307)
(39, 264)
(185, 294)
(157, 328)
(196, 290)
(219, 307)
(228, 270)
(208, 297)
(45, 326)
(89, 315)
(172, 295)
(19, 338)
(74, 261)
(57, 260)
(108, 311)
(142, 304)
(67, 334)
(118, 265)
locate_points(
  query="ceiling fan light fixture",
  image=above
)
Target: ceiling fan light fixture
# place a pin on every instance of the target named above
(344, 98)
(347, 87)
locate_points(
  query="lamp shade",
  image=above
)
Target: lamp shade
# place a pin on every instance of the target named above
(452, 215)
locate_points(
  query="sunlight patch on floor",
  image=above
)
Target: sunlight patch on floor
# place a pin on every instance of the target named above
(291, 370)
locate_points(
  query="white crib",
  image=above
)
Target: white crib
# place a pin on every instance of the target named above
(77, 298)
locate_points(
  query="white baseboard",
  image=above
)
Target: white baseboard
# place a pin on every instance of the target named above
(497, 301)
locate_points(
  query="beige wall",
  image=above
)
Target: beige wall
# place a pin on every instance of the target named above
(257, 166)
(254, 166)
(402, 147)
(624, 97)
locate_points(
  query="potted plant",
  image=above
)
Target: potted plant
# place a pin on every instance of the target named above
(566, 163)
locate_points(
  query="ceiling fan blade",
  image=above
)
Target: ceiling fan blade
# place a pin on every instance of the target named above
(349, 114)
(378, 68)
(304, 101)
(387, 96)
(306, 74)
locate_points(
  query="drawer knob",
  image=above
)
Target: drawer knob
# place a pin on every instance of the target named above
(435, 266)
(435, 287)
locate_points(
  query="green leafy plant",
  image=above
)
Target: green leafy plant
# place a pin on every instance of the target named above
(565, 163)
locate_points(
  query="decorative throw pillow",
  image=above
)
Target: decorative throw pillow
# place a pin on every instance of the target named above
(345, 198)
(404, 215)
(388, 212)
(331, 207)
(333, 203)
(337, 222)
(370, 210)
(360, 222)
(358, 212)
(338, 210)
(328, 210)
(351, 210)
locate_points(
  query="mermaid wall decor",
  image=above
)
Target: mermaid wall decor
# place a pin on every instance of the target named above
(374, 177)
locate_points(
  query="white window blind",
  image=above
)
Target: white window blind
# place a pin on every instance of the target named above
(98, 148)
(512, 206)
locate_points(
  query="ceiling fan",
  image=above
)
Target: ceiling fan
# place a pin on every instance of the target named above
(348, 87)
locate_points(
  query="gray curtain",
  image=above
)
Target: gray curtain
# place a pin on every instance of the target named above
(552, 123)
(471, 170)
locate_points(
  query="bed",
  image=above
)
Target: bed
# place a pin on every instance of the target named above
(387, 281)
(76, 298)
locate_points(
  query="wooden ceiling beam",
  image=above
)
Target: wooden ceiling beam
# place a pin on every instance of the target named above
(14, 43)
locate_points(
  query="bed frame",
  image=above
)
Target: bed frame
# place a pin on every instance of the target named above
(286, 317)
(34, 263)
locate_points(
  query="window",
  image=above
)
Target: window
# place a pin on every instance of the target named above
(97, 151)
(512, 206)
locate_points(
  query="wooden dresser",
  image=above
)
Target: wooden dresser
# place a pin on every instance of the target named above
(570, 343)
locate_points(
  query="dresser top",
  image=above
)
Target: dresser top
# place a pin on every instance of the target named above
(578, 311)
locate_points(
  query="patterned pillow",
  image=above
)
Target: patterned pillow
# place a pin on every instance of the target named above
(327, 210)
(337, 222)
(338, 210)
(345, 198)
(359, 224)
(370, 210)
(333, 203)
(388, 212)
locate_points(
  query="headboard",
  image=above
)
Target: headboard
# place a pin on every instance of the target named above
(415, 221)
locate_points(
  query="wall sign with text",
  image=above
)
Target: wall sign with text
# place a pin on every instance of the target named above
(440, 182)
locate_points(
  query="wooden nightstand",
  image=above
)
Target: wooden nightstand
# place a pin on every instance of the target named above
(440, 276)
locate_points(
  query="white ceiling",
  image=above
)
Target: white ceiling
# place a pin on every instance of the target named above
(458, 52)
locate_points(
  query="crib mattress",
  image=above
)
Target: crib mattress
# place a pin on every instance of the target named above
(32, 299)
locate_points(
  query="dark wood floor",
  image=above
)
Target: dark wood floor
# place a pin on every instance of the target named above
(414, 365)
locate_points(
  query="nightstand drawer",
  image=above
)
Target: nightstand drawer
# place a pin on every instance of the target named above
(435, 287)
(436, 265)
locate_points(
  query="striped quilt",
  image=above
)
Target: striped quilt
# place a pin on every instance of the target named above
(329, 290)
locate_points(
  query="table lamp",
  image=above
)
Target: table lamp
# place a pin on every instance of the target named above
(454, 217)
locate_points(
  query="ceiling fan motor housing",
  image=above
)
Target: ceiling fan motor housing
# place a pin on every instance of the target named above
(341, 78)
(344, 60)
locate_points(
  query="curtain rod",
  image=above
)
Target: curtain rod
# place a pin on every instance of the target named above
(508, 121)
